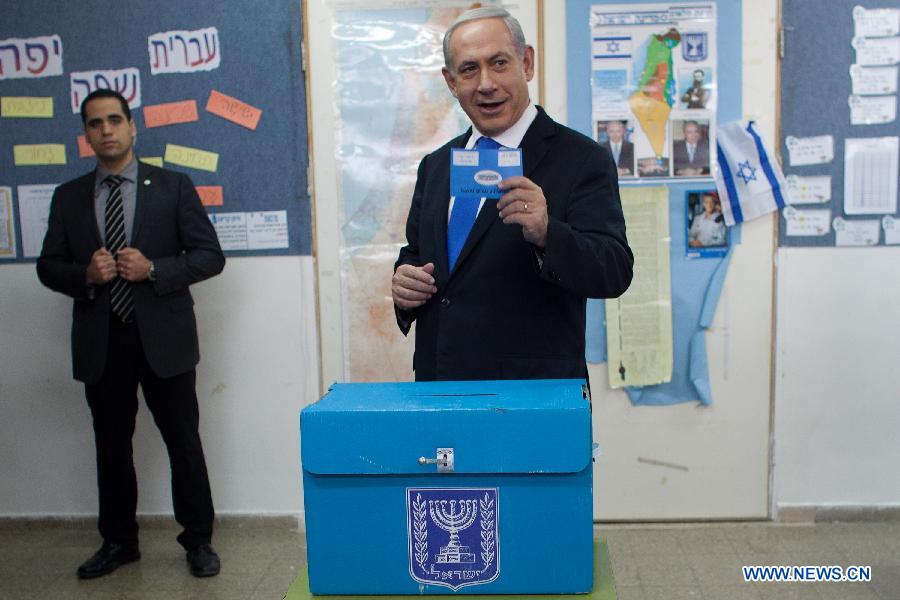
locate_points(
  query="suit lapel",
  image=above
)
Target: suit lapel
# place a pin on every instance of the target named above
(142, 197)
(86, 194)
(534, 148)
(534, 144)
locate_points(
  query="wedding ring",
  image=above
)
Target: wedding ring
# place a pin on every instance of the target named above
(525, 206)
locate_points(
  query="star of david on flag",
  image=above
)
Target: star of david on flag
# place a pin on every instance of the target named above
(749, 183)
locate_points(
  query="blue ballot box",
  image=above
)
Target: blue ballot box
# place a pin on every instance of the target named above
(479, 487)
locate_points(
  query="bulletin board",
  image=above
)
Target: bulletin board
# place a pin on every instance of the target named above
(239, 130)
(816, 101)
(695, 282)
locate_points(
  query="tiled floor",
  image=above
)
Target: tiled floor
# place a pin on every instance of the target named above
(671, 562)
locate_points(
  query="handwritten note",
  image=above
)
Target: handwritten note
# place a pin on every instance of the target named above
(808, 190)
(875, 22)
(891, 228)
(26, 107)
(171, 113)
(874, 52)
(30, 58)
(39, 154)
(233, 110)
(873, 80)
(192, 157)
(156, 161)
(856, 233)
(811, 150)
(84, 149)
(210, 195)
(872, 110)
(806, 223)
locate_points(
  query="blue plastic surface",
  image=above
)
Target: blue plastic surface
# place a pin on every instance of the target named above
(528, 442)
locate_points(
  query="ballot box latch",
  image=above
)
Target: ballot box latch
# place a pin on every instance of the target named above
(443, 458)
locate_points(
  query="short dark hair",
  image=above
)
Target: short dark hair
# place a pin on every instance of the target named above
(104, 93)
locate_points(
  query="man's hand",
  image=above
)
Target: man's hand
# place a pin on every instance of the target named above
(411, 287)
(101, 269)
(132, 265)
(524, 204)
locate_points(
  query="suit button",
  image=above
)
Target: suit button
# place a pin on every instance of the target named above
(445, 302)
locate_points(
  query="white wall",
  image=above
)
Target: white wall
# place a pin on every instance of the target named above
(259, 367)
(837, 396)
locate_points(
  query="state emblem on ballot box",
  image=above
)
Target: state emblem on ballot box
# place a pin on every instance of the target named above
(454, 539)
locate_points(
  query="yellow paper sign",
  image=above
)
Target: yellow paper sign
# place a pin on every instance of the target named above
(26, 107)
(192, 157)
(156, 161)
(39, 154)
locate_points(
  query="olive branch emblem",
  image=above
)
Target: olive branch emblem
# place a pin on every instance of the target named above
(420, 532)
(487, 530)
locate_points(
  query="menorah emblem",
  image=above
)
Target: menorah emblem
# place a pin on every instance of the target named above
(460, 515)
(453, 535)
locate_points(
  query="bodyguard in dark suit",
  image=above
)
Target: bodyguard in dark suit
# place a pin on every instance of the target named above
(125, 241)
(506, 300)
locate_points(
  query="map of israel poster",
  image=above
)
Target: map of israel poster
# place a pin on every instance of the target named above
(653, 85)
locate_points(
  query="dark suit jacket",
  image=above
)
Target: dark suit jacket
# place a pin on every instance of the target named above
(171, 228)
(626, 155)
(701, 156)
(501, 314)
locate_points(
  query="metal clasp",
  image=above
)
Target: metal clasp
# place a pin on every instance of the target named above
(443, 459)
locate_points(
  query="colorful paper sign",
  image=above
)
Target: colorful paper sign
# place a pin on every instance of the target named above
(39, 154)
(156, 161)
(233, 110)
(170, 113)
(184, 51)
(192, 157)
(84, 149)
(30, 58)
(28, 107)
(125, 81)
(210, 195)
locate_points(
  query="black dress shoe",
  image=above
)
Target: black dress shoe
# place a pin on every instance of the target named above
(107, 559)
(204, 561)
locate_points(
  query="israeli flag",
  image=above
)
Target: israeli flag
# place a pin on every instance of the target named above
(750, 184)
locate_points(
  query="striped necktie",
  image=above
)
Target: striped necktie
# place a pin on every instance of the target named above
(120, 292)
(465, 210)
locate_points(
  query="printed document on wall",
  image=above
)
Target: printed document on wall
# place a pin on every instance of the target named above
(639, 324)
(34, 212)
(7, 228)
(870, 175)
(654, 79)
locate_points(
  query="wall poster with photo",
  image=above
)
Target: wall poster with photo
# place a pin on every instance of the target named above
(705, 232)
(654, 87)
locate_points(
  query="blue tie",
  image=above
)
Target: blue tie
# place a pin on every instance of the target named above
(465, 209)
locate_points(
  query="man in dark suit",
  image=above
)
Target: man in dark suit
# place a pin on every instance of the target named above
(621, 149)
(506, 299)
(691, 155)
(125, 241)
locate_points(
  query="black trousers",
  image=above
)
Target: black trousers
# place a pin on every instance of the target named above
(173, 404)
